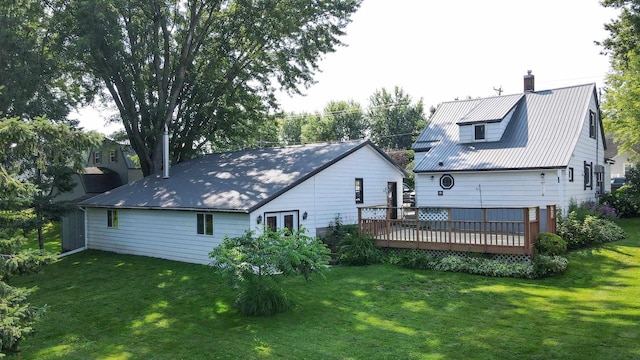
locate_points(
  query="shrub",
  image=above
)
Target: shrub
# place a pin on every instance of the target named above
(625, 200)
(545, 266)
(358, 250)
(336, 232)
(598, 230)
(591, 230)
(415, 260)
(550, 244)
(254, 264)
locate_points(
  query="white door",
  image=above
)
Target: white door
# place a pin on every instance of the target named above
(282, 220)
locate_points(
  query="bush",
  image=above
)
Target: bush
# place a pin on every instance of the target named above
(336, 232)
(415, 259)
(591, 230)
(625, 200)
(254, 264)
(545, 266)
(550, 244)
(358, 250)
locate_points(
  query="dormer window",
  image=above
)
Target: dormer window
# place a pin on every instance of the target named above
(478, 131)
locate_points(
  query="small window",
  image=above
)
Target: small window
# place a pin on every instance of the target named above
(113, 156)
(205, 224)
(112, 218)
(359, 191)
(592, 124)
(446, 181)
(479, 132)
(97, 157)
(570, 174)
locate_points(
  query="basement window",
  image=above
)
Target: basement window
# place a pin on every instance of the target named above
(205, 224)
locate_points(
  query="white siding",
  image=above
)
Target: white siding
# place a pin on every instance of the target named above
(163, 234)
(489, 189)
(332, 191)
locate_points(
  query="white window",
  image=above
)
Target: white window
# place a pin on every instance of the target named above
(97, 157)
(113, 156)
(112, 218)
(204, 224)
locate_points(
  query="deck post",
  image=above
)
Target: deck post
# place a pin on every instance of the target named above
(527, 230)
(484, 228)
(360, 221)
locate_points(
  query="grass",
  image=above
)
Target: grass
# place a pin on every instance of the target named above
(107, 306)
(52, 238)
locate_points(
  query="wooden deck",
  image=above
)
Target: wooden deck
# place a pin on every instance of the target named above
(497, 230)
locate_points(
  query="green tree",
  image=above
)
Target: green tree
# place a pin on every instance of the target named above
(205, 69)
(37, 160)
(33, 78)
(40, 157)
(620, 107)
(290, 126)
(254, 263)
(316, 128)
(395, 122)
(346, 120)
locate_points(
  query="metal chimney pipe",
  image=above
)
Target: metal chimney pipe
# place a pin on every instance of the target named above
(165, 153)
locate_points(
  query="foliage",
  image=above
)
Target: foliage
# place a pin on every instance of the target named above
(207, 70)
(33, 78)
(541, 266)
(37, 167)
(17, 315)
(626, 200)
(550, 244)
(548, 265)
(358, 250)
(395, 122)
(579, 232)
(620, 107)
(254, 264)
(337, 231)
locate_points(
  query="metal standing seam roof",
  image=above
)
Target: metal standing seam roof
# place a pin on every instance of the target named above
(234, 181)
(542, 133)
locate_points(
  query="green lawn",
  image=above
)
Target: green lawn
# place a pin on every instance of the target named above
(52, 238)
(107, 306)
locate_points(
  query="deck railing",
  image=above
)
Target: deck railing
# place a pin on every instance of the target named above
(487, 230)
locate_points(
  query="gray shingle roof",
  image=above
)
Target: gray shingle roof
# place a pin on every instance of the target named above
(235, 181)
(542, 133)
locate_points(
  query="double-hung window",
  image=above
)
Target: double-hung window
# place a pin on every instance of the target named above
(112, 218)
(205, 224)
(592, 125)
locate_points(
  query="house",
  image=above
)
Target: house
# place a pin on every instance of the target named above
(184, 215)
(530, 149)
(621, 161)
(107, 167)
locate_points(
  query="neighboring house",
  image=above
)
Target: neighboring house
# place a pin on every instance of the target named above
(537, 148)
(621, 162)
(183, 217)
(107, 167)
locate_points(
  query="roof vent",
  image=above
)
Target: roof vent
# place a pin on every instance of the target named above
(529, 82)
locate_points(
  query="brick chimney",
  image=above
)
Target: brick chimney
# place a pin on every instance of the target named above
(529, 82)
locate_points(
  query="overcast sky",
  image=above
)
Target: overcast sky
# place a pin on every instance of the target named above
(442, 50)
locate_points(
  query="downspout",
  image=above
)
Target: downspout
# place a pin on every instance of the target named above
(84, 211)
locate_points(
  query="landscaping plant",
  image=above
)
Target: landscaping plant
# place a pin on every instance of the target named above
(254, 263)
(358, 250)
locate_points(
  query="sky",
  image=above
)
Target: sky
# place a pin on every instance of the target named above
(438, 51)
